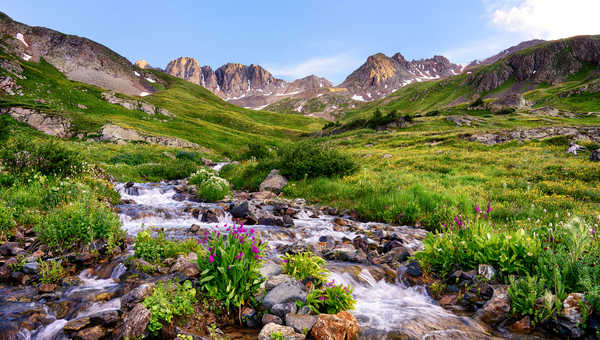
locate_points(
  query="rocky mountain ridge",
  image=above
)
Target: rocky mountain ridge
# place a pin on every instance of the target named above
(80, 59)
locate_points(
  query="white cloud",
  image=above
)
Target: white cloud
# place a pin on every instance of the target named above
(547, 19)
(332, 67)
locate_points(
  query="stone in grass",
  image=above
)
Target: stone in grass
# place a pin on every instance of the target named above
(273, 328)
(274, 182)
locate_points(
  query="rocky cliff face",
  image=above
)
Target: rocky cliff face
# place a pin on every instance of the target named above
(80, 59)
(550, 62)
(248, 86)
(380, 75)
(519, 47)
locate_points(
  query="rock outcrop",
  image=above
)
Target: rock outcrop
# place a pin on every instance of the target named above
(575, 133)
(118, 134)
(50, 124)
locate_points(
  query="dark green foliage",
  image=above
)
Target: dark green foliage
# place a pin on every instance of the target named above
(258, 150)
(330, 125)
(506, 111)
(168, 300)
(7, 221)
(129, 159)
(78, 223)
(247, 175)
(309, 159)
(477, 103)
(433, 113)
(167, 171)
(5, 127)
(21, 155)
(330, 299)
(188, 156)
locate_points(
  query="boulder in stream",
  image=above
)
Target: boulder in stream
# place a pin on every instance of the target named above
(289, 291)
(340, 326)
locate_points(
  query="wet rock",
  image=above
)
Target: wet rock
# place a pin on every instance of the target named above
(268, 318)
(281, 309)
(250, 317)
(300, 323)
(486, 271)
(77, 324)
(414, 269)
(136, 295)
(460, 277)
(8, 330)
(244, 211)
(105, 296)
(287, 332)
(595, 156)
(209, 216)
(338, 326)
(497, 308)
(263, 195)
(288, 221)
(522, 326)
(47, 288)
(271, 221)
(305, 310)
(289, 291)
(10, 249)
(105, 318)
(277, 280)
(360, 242)
(92, 333)
(391, 245)
(572, 313)
(274, 182)
(208, 162)
(136, 321)
(270, 269)
(397, 254)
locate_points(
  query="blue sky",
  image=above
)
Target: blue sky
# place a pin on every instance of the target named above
(292, 39)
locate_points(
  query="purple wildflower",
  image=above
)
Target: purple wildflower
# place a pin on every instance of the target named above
(211, 259)
(285, 261)
(477, 209)
(322, 298)
(239, 256)
(489, 208)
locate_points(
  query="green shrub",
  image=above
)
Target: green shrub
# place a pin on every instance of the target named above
(258, 150)
(433, 113)
(247, 175)
(129, 158)
(477, 103)
(209, 186)
(7, 221)
(188, 156)
(49, 158)
(156, 249)
(309, 159)
(523, 294)
(230, 270)
(78, 223)
(50, 271)
(168, 300)
(331, 299)
(468, 243)
(166, 171)
(305, 265)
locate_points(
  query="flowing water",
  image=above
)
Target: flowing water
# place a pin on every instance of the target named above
(382, 309)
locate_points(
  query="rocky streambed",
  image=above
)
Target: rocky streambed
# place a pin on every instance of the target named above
(101, 298)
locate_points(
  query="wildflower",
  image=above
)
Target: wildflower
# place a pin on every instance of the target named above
(485, 216)
(477, 210)
(255, 250)
(508, 237)
(489, 208)
(239, 256)
(322, 298)
(285, 261)
(228, 267)
(211, 259)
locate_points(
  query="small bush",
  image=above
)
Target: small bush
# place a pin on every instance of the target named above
(230, 270)
(433, 113)
(331, 299)
(130, 159)
(156, 249)
(167, 171)
(78, 223)
(477, 103)
(51, 271)
(309, 159)
(209, 186)
(49, 158)
(247, 175)
(188, 156)
(305, 265)
(169, 300)
(523, 294)
(7, 221)
(258, 151)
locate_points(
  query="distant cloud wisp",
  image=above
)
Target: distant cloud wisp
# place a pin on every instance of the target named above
(332, 67)
(547, 19)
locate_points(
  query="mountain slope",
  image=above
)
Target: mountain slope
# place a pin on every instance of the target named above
(78, 58)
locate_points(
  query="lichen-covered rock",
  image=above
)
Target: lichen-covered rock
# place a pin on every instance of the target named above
(136, 321)
(137, 295)
(287, 332)
(119, 134)
(50, 124)
(340, 326)
(300, 323)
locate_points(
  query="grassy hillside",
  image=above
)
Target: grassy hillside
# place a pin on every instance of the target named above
(197, 116)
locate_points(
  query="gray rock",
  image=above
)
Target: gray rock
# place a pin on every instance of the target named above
(300, 323)
(270, 269)
(290, 291)
(595, 156)
(268, 318)
(305, 310)
(30, 267)
(497, 308)
(281, 309)
(486, 271)
(274, 182)
(48, 124)
(277, 280)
